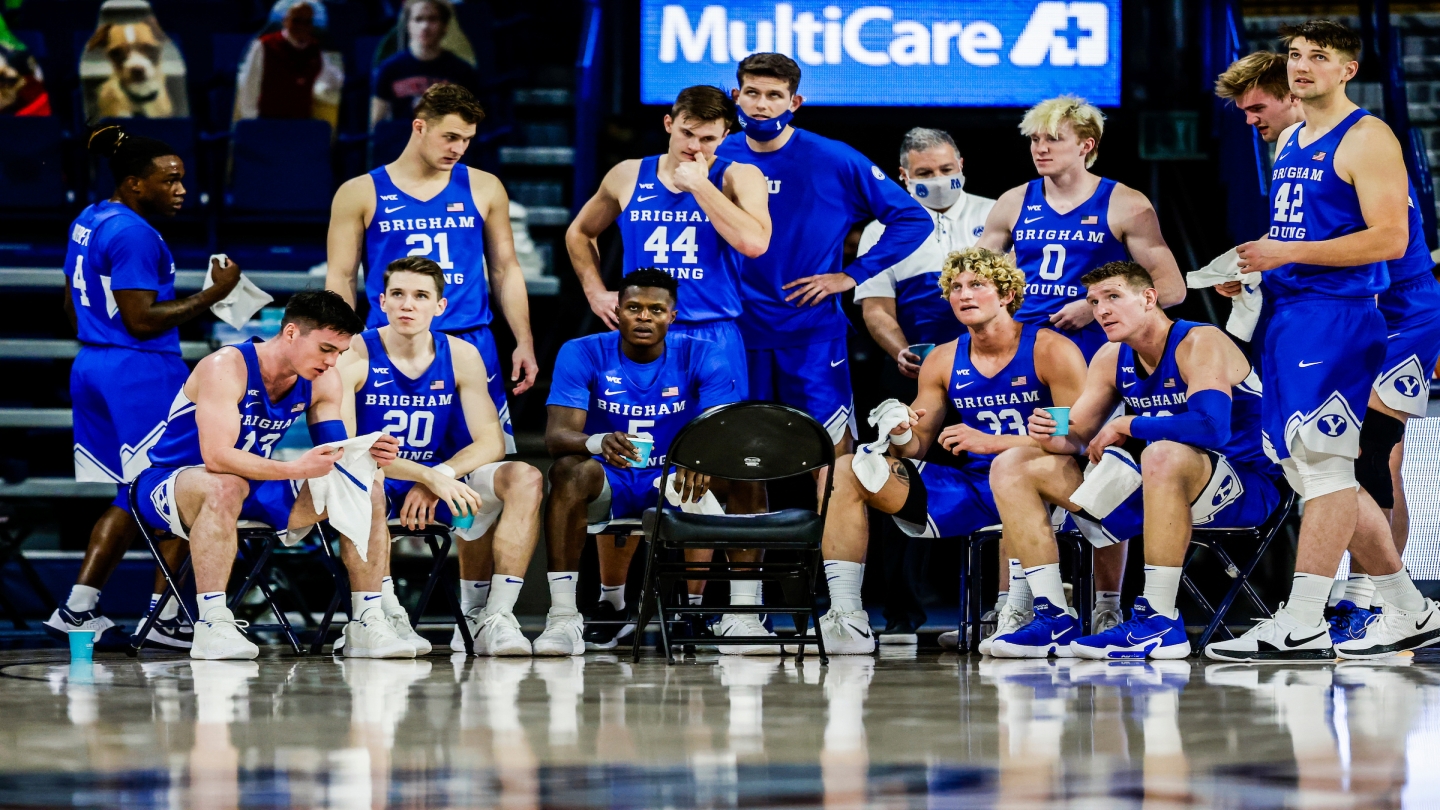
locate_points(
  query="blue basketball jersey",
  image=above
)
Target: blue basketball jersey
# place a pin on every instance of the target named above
(659, 398)
(1416, 263)
(1162, 392)
(1001, 404)
(668, 230)
(1054, 250)
(446, 228)
(262, 422)
(1310, 203)
(423, 413)
(113, 248)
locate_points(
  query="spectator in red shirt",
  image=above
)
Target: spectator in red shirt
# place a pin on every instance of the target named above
(22, 87)
(286, 74)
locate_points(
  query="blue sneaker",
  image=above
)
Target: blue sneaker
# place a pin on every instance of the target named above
(174, 633)
(1146, 635)
(1049, 633)
(1347, 621)
(65, 621)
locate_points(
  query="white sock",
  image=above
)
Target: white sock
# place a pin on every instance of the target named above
(1399, 590)
(1377, 601)
(473, 595)
(562, 590)
(1000, 600)
(1360, 590)
(1308, 594)
(362, 602)
(387, 597)
(1021, 597)
(1045, 582)
(614, 594)
(82, 598)
(745, 591)
(171, 609)
(695, 599)
(843, 578)
(1107, 599)
(1162, 585)
(504, 590)
(208, 601)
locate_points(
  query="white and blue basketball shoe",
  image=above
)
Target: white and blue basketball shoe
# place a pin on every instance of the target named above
(1146, 635)
(1049, 633)
(65, 621)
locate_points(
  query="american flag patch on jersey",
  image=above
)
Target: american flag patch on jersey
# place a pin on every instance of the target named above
(460, 206)
(299, 406)
(672, 391)
(1017, 380)
(437, 385)
(1095, 220)
(1169, 382)
(1318, 156)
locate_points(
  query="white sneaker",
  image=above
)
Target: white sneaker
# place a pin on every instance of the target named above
(744, 624)
(1393, 631)
(372, 636)
(1281, 638)
(847, 633)
(1104, 618)
(1009, 620)
(218, 637)
(500, 635)
(564, 634)
(472, 623)
(949, 640)
(400, 620)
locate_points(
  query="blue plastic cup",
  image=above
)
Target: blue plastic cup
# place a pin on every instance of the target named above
(82, 646)
(644, 443)
(462, 521)
(922, 350)
(1061, 415)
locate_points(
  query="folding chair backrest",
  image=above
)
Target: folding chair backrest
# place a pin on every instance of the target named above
(753, 441)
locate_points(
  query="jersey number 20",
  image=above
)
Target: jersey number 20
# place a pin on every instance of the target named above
(421, 426)
(684, 244)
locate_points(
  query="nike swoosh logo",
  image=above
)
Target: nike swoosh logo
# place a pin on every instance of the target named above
(1054, 636)
(491, 378)
(958, 387)
(389, 210)
(1304, 364)
(562, 579)
(387, 382)
(1291, 641)
(865, 632)
(643, 199)
(1032, 219)
(1421, 625)
(213, 596)
(372, 598)
(610, 393)
(1133, 640)
(1391, 337)
(1127, 385)
(836, 363)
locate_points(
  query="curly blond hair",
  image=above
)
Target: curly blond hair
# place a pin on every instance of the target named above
(1084, 117)
(997, 268)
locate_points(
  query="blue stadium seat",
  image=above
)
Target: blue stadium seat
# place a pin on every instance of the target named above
(280, 171)
(388, 141)
(31, 176)
(178, 132)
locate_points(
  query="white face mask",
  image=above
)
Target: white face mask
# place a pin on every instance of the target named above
(938, 193)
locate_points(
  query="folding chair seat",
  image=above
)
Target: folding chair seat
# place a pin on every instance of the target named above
(745, 441)
(972, 572)
(623, 529)
(1215, 540)
(437, 537)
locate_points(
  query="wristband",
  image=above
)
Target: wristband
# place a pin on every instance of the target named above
(903, 439)
(445, 470)
(592, 444)
(327, 432)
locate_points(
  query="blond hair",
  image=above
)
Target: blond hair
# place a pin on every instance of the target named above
(1261, 70)
(1084, 117)
(997, 268)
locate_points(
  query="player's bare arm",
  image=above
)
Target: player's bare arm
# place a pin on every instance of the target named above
(350, 214)
(507, 280)
(1140, 233)
(565, 436)
(216, 387)
(1000, 222)
(1087, 416)
(928, 409)
(145, 318)
(598, 213)
(354, 368)
(1369, 158)
(327, 403)
(740, 211)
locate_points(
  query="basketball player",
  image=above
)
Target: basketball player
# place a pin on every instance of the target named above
(1064, 224)
(694, 216)
(973, 394)
(428, 390)
(1196, 403)
(607, 390)
(1411, 308)
(121, 301)
(1338, 214)
(211, 467)
(428, 204)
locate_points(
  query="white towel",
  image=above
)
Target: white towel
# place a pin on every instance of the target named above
(344, 493)
(242, 303)
(1245, 307)
(1108, 483)
(869, 463)
(708, 505)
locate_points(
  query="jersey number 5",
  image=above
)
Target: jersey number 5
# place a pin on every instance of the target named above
(684, 244)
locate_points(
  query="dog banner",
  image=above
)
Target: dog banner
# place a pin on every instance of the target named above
(130, 68)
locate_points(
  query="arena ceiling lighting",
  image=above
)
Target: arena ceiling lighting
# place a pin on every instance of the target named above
(995, 53)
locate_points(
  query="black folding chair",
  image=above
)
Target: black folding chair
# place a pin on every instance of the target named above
(11, 539)
(437, 537)
(972, 572)
(1259, 538)
(744, 441)
(623, 530)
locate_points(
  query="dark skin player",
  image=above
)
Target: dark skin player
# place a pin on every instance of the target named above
(157, 195)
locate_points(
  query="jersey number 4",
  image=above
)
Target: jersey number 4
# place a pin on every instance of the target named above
(78, 281)
(684, 244)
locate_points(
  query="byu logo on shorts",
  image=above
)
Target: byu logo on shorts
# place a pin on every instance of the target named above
(1333, 424)
(1408, 385)
(1223, 492)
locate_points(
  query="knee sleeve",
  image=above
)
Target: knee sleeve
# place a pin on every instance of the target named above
(1378, 436)
(1313, 474)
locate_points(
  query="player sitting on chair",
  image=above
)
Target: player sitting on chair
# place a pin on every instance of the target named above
(428, 389)
(973, 393)
(212, 467)
(1196, 403)
(611, 391)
